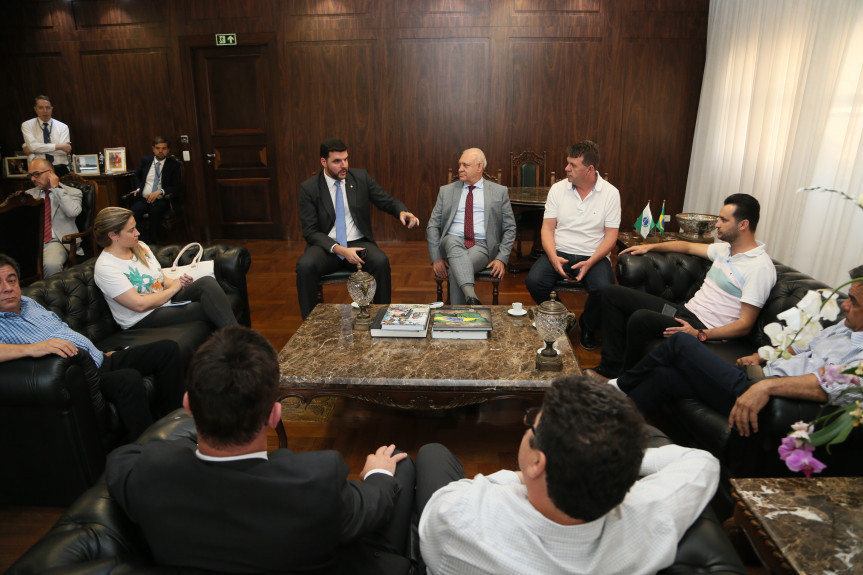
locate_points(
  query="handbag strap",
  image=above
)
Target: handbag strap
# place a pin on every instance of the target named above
(195, 259)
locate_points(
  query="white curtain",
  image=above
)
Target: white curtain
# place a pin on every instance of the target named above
(782, 108)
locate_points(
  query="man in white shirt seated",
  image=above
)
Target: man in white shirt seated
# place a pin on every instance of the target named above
(589, 497)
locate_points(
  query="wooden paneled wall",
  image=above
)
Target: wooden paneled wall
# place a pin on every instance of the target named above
(407, 84)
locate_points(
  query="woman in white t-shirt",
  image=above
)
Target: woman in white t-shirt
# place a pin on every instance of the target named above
(135, 288)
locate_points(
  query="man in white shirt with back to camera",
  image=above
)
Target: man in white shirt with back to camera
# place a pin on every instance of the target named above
(571, 508)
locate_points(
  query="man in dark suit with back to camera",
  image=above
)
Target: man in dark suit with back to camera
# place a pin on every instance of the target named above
(158, 180)
(471, 227)
(337, 225)
(226, 505)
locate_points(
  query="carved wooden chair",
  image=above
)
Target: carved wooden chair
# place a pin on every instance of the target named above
(85, 237)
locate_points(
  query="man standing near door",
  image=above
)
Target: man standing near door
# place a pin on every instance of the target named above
(337, 225)
(158, 180)
(45, 137)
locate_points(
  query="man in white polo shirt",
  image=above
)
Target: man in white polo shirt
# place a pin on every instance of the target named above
(579, 230)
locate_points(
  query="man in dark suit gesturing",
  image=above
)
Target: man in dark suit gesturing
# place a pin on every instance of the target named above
(337, 225)
(226, 505)
(472, 226)
(158, 181)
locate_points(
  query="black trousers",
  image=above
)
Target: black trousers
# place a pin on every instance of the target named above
(436, 467)
(209, 303)
(629, 319)
(157, 210)
(316, 262)
(683, 367)
(122, 382)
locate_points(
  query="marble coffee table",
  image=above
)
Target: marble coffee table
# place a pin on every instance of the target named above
(327, 357)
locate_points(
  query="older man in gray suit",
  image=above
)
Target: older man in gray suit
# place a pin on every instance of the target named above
(471, 227)
(62, 206)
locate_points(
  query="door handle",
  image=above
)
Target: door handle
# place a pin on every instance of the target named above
(210, 158)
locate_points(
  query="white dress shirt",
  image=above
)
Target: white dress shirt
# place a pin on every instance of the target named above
(151, 175)
(35, 140)
(354, 232)
(457, 226)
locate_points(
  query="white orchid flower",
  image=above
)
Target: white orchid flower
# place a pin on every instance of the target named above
(775, 332)
(806, 334)
(830, 310)
(794, 318)
(768, 353)
(810, 304)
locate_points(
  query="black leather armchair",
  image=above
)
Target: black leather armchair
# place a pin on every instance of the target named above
(689, 422)
(56, 428)
(94, 536)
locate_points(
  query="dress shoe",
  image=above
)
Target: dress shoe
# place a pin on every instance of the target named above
(596, 376)
(472, 301)
(586, 338)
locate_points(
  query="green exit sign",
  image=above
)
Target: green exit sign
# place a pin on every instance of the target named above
(226, 39)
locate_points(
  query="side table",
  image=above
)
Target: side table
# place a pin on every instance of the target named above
(799, 525)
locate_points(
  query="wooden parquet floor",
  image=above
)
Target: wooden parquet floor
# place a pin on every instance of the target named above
(484, 437)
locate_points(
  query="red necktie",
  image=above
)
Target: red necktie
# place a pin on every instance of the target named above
(468, 218)
(47, 235)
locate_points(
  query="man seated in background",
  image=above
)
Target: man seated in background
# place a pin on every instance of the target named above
(29, 330)
(579, 230)
(726, 306)
(158, 184)
(471, 227)
(226, 505)
(62, 206)
(588, 497)
(684, 368)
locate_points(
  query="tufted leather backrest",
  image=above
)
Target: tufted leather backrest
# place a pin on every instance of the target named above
(672, 276)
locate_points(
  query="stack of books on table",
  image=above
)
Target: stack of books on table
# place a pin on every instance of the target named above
(461, 322)
(401, 320)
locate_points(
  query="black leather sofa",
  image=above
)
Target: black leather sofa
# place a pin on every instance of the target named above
(94, 536)
(55, 427)
(677, 277)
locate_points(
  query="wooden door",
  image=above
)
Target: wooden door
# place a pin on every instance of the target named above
(236, 120)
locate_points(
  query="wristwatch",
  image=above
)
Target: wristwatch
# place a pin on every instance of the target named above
(702, 337)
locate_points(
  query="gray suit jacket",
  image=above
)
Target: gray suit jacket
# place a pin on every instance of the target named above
(499, 219)
(65, 207)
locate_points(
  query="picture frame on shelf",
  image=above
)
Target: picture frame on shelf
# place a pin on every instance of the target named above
(16, 167)
(115, 160)
(86, 164)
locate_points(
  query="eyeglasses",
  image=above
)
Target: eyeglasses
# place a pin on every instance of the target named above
(36, 174)
(530, 416)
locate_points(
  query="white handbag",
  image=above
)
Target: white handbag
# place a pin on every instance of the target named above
(197, 268)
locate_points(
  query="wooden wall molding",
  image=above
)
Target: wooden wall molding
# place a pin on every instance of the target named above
(407, 84)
